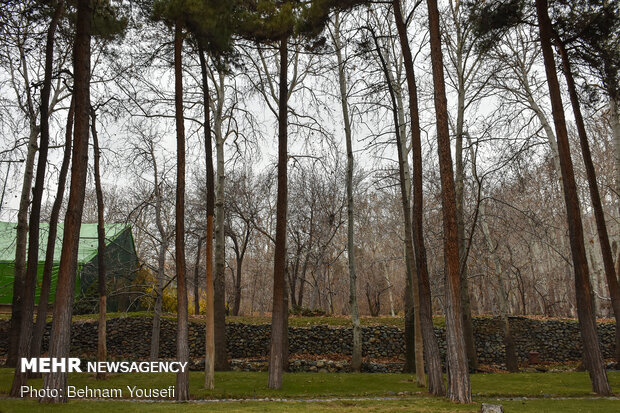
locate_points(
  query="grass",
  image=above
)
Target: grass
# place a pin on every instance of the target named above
(312, 385)
(409, 405)
(333, 321)
(419, 404)
(294, 321)
(250, 384)
(564, 384)
(238, 385)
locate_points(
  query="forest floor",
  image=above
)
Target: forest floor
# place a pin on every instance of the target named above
(294, 320)
(244, 391)
(300, 321)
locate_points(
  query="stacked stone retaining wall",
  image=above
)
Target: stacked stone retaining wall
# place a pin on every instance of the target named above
(129, 337)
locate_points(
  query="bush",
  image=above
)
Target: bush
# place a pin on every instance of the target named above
(306, 312)
(148, 280)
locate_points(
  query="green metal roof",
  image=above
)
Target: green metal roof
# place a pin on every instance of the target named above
(86, 251)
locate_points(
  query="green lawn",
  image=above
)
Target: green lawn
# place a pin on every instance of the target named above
(321, 385)
(237, 385)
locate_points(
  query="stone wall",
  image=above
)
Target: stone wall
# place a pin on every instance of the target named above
(130, 338)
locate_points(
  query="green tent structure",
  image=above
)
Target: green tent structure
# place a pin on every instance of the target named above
(120, 257)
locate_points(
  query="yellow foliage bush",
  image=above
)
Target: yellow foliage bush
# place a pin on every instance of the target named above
(148, 279)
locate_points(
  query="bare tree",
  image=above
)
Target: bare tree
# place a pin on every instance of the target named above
(44, 295)
(502, 297)
(30, 278)
(61, 327)
(182, 326)
(356, 359)
(27, 106)
(101, 267)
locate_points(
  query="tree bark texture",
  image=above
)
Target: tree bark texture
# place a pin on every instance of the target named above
(431, 347)
(60, 337)
(459, 178)
(237, 286)
(279, 311)
(196, 272)
(585, 309)
(209, 382)
(409, 327)
(459, 388)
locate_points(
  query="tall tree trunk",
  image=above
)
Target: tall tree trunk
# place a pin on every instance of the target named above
(182, 327)
(431, 347)
(459, 183)
(409, 253)
(413, 333)
(101, 326)
(459, 388)
(279, 312)
(209, 329)
(196, 272)
(219, 286)
(409, 328)
(468, 328)
(285, 351)
(21, 245)
(356, 359)
(302, 283)
(30, 280)
(237, 296)
(161, 262)
(591, 349)
(60, 338)
(601, 226)
(39, 328)
(614, 113)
